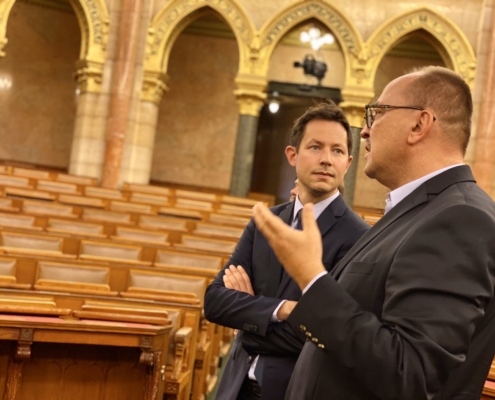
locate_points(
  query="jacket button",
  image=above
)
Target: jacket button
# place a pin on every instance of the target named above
(303, 328)
(249, 359)
(321, 346)
(315, 340)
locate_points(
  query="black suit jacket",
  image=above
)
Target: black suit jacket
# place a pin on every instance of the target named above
(409, 312)
(280, 346)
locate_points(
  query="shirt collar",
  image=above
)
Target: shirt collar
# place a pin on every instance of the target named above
(399, 194)
(318, 208)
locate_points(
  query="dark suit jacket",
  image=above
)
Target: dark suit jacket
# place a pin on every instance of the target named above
(340, 228)
(408, 312)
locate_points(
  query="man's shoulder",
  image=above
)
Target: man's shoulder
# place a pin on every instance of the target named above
(280, 207)
(353, 220)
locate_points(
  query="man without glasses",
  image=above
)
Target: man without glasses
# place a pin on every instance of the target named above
(252, 293)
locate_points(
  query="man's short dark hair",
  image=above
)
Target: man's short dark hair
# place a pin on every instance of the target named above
(327, 111)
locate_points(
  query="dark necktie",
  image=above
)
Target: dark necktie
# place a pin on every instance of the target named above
(298, 218)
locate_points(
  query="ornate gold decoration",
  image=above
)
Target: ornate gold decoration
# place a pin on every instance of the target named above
(338, 23)
(94, 23)
(171, 21)
(5, 8)
(89, 75)
(154, 86)
(458, 49)
(93, 19)
(354, 112)
(250, 94)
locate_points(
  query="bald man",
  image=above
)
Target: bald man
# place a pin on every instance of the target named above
(408, 313)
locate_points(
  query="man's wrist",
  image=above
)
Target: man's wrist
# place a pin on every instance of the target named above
(310, 283)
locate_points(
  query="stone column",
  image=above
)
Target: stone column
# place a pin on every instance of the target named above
(354, 114)
(143, 117)
(250, 103)
(484, 156)
(122, 90)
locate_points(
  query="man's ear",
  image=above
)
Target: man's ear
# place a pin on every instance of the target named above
(423, 127)
(349, 161)
(291, 153)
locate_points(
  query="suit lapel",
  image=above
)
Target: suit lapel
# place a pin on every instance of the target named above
(325, 221)
(433, 186)
(276, 268)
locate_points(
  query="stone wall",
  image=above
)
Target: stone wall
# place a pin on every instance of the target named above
(37, 112)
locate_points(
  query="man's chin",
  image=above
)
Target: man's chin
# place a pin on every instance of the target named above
(369, 170)
(322, 190)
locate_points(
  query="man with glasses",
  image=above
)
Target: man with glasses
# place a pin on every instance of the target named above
(408, 313)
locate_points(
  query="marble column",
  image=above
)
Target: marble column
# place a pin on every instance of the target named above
(143, 117)
(354, 114)
(122, 91)
(484, 157)
(350, 177)
(250, 106)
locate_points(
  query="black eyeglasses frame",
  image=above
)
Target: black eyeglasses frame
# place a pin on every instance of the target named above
(370, 118)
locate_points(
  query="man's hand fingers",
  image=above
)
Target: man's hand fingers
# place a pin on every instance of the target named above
(227, 282)
(239, 280)
(308, 218)
(266, 222)
(245, 278)
(233, 281)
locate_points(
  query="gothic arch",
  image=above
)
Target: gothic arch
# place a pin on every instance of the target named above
(93, 22)
(169, 23)
(341, 26)
(456, 49)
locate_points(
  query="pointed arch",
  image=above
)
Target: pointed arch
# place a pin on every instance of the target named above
(337, 22)
(173, 18)
(93, 22)
(455, 49)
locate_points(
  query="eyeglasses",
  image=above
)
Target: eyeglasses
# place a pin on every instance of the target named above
(371, 113)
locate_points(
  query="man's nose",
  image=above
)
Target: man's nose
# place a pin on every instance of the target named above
(326, 157)
(365, 132)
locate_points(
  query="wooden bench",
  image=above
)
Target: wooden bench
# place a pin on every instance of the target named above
(13, 243)
(44, 208)
(140, 235)
(218, 231)
(103, 251)
(206, 245)
(103, 193)
(31, 173)
(19, 222)
(82, 229)
(146, 198)
(76, 179)
(26, 193)
(71, 278)
(100, 353)
(149, 189)
(57, 187)
(15, 181)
